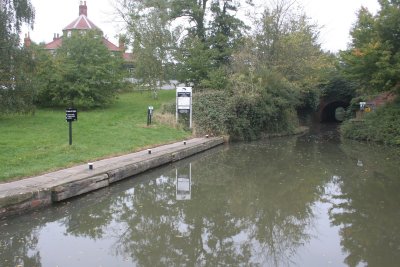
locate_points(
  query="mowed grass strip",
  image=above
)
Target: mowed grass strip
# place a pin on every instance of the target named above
(31, 145)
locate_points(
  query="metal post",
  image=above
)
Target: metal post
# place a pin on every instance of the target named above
(176, 105)
(149, 114)
(191, 112)
(70, 132)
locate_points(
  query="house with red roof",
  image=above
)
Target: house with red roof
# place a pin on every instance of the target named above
(81, 24)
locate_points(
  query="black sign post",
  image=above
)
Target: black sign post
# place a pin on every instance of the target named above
(71, 114)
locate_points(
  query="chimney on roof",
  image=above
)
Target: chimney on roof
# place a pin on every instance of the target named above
(27, 40)
(83, 9)
(121, 44)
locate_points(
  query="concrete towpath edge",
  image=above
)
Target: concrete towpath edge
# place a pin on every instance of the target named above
(40, 191)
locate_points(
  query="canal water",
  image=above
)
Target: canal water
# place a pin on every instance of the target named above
(310, 200)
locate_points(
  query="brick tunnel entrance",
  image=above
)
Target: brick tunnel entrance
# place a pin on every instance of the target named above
(333, 111)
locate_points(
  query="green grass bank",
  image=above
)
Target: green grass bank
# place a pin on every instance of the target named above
(31, 145)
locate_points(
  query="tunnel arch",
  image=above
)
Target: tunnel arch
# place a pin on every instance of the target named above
(333, 111)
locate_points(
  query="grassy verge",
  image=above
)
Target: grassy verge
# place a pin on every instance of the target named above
(30, 145)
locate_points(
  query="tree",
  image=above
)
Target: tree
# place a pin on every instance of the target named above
(152, 40)
(195, 12)
(208, 32)
(194, 61)
(288, 42)
(15, 84)
(285, 44)
(82, 73)
(226, 31)
(215, 40)
(373, 58)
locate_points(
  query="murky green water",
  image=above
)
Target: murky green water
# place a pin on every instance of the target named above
(296, 201)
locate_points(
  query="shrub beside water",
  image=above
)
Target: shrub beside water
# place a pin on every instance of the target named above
(241, 116)
(211, 112)
(250, 107)
(381, 126)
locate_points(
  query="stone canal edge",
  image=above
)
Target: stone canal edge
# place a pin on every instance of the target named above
(40, 191)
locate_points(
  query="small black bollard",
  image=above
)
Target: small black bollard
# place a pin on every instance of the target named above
(149, 151)
(90, 166)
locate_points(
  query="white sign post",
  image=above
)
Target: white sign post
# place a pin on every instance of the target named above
(184, 102)
(362, 105)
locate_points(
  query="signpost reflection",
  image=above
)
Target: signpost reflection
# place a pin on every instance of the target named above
(183, 183)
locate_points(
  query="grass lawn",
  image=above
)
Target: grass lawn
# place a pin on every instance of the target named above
(31, 145)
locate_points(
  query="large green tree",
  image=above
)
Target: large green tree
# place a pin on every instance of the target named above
(201, 45)
(285, 44)
(226, 31)
(152, 40)
(373, 58)
(82, 73)
(16, 94)
(195, 12)
(211, 42)
(276, 71)
(287, 41)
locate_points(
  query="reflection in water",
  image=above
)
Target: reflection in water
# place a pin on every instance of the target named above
(302, 201)
(360, 163)
(183, 184)
(367, 208)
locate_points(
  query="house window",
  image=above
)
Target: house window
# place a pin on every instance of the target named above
(69, 34)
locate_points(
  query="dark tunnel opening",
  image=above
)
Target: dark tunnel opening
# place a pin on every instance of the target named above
(334, 112)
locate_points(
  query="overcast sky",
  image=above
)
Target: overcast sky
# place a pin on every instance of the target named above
(336, 17)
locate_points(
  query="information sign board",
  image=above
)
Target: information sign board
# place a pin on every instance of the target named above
(184, 102)
(184, 97)
(71, 114)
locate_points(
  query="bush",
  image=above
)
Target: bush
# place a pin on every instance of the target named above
(249, 117)
(248, 110)
(168, 108)
(380, 126)
(242, 117)
(82, 73)
(211, 112)
(18, 100)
